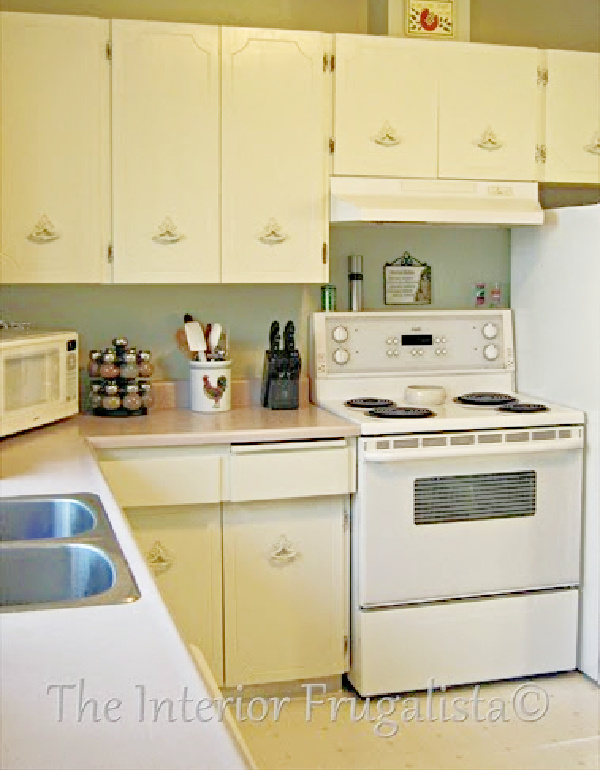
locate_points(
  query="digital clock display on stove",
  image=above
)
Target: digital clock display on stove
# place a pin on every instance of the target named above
(417, 339)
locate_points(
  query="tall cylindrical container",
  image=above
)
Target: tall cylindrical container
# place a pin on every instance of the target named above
(210, 386)
(355, 283)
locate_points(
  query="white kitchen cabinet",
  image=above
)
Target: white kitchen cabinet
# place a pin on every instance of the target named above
(182, 547)
(385, 96)
(488, 112)
(571, 150)
(165, 144)
(285, 589)
(55, 144)
(276, 123)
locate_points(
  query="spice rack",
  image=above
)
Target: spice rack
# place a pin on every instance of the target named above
(120, 380)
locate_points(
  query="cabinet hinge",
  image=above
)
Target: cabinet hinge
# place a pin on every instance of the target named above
(346, 642)
(346, 519)
(110, 255)
(324, 253)
(328, 62)
(331, 144)
(542, 76)
(540, 153)
(109, 51)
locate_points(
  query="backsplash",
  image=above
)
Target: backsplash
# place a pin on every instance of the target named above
(150, 314)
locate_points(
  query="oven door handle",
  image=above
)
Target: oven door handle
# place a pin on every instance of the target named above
(425, 453)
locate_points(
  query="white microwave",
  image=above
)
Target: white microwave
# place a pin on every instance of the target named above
(38, 378)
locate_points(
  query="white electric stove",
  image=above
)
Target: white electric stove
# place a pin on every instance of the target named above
(466, 521)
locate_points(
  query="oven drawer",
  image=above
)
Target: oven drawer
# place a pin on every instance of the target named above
(291, 469)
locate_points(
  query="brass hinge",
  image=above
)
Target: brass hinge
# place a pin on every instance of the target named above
(332, 62)
(542, 76)
(324, 253)
(110, 253)
(540, 153)
(328, 62)
(346, 646)
(331, 144)
(109, 51)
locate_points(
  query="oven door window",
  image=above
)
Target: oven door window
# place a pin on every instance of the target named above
(441, 499)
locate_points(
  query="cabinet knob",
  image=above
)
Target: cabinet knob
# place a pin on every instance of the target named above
(594, 145)
(43, 231)
(489, 141)
(159, 558)
(283, 551)
(387, 136)
(272, 233)
(168, 232)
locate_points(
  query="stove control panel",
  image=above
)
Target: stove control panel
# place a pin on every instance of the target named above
(462, 341)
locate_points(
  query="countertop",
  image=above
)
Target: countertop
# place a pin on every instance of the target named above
(169, 427)
(82, 688)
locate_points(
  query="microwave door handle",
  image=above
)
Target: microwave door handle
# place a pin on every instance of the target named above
(426, 453)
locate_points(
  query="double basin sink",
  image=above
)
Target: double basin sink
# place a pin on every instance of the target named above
(60, 551)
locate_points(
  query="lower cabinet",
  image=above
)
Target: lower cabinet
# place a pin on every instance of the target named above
(182, 546)
(285, 589)
(249, 547)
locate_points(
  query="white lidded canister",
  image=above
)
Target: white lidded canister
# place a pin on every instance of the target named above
(210, 386)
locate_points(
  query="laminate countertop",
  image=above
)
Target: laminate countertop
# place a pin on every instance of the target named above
(83, 687)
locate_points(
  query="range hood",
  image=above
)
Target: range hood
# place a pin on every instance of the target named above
(437, 201)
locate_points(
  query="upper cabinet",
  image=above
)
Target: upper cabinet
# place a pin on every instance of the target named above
(386, 96)
(55, 149)
(572, 127)
(275, 130)
(488, 112)
(408, 108)
(165, 152)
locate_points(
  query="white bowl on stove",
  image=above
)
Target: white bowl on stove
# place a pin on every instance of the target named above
(424, 395)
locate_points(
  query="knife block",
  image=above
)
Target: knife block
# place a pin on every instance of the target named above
(281, 379)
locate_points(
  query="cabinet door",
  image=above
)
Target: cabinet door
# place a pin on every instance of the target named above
(488, 120)
(275, 133)
(182, 546)
(55, 164)
(165, 134)
(385, 107)
(573, 117)
(285, 588)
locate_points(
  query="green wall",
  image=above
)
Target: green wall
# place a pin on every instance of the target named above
(149, 315)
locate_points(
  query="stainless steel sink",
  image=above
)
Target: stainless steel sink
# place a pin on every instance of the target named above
(35, 518)
(60, 551)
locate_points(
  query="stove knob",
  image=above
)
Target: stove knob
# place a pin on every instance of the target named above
(341, 356)
(489, 331)
(340, 334)
(490, 352)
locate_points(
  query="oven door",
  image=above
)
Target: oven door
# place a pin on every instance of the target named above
(466, 514)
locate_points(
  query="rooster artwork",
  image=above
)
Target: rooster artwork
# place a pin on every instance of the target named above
(215, 392)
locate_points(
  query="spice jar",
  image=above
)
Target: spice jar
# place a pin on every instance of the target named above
(120, 344)
(145, 367)
(96, 400)
(128, 368)
(132, 399)
(147, 396)
(109, 368)
(94, 363)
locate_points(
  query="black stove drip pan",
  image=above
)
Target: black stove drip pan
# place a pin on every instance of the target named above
(399, 412)
(485, 399)
(521, 408)
(369, 403)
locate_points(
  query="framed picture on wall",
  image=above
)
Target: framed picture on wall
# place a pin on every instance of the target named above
(406, 281)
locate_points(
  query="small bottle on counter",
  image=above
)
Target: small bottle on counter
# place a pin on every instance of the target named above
(120, 344)
(496, 295)
(131, 399)
(109, 368)
(479, 292)
(128, 368)
(146, 394)
(146, 368)
(94, 363)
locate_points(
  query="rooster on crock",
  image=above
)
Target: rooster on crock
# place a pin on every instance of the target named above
(215, 392)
